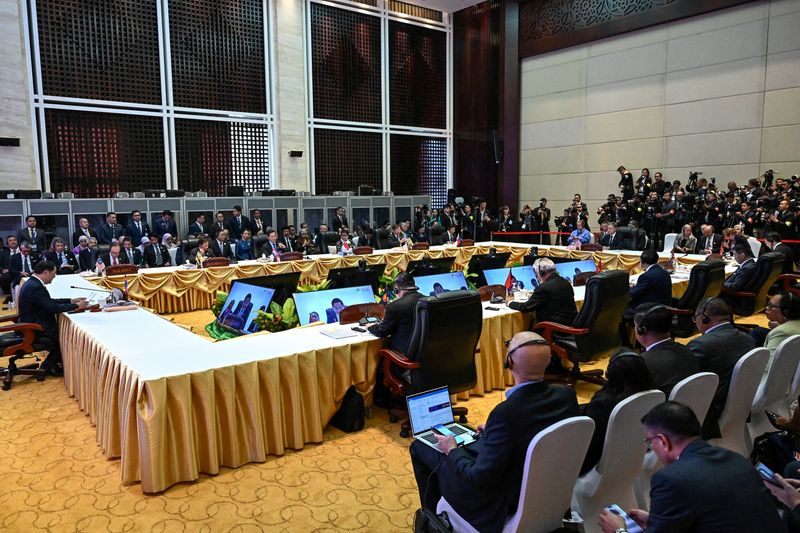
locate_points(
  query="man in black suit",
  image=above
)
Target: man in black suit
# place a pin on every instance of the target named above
(37, 307)
(219, 224)
(22, 264)
(400, 313)
(482, 481)
(156, 254)
(199, 228)
(220, 246)
(165, 224)
(718, 350)
(339, 220)
(708, 242)
(87, 258)
(6, 274)
(237, 223)
(319, 239)
(653, 286)
(244, 307)
(65, 260)
(110, 231)
(703, 487)
(257, 225)
(83, 229)
(396, 237)
(553, 300)
(272, 248)
(137, 228)
(772, 243)
(32, 235)
(130, 255)
(740, 280)
(667, 361)
(369, 239)
(611, 240)
(201, 248)
(287, 240)
(113, 256)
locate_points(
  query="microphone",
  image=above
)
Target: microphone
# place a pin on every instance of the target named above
(98, 289)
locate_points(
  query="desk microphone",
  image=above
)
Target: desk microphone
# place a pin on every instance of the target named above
(98, 289)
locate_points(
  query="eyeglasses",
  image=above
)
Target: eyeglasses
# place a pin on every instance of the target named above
(648, 443)
(770, 305)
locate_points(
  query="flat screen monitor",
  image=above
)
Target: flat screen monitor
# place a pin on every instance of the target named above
(325, 306)
(429, 266)
(438, 283)
(242, 305)
(356, 276)
(284, 284)
(568, 270)
(479, 263)
(521, 277)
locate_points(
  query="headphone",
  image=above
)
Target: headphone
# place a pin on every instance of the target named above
(704, 318)
(626, 353)
(641, 329)
(510, 363)
(787, 303)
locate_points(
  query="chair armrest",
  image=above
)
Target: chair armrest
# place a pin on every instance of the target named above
(25, 344)
(550, 327)
(23, 326)
(788, 281)
(738, 294)
(396, 358)
(393, 359)
(747, 328)
(10, 318)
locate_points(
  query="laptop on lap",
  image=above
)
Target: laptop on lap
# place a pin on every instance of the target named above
(430, 412)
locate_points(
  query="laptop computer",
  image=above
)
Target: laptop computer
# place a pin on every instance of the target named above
(429, 409)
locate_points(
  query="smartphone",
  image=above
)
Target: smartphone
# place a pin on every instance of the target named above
(441, 430)
(630, 525)
(372, 319)
(767, 474)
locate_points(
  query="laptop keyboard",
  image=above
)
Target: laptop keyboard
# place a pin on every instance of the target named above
(431, 437)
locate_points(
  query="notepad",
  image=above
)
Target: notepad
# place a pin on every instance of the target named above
(339, 333)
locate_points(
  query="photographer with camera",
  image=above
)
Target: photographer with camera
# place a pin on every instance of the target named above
(606, 211)
(504, 219)
(746, 216)
(644, 183)
(652, 208)
(625, 183)
(483, 221)
(566, 224)
(539, 222)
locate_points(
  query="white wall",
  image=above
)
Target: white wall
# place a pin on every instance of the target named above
(719, 93)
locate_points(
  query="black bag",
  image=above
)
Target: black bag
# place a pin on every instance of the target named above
(350, 416)
(426, 521)
(776, 450)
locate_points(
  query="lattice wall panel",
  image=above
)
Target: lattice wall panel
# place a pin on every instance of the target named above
(415, 11)
(212, 155)
(417, 76)
(99, 154)
(217, 51)
(346, 64)
(419, 166)
(100, 49)
(343, 160)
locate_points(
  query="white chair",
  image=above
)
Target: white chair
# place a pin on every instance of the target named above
(744, 384)
(552, 465)
(611, 481)
(755, 245)
(696, 391)
(669, 242)
(775, 388)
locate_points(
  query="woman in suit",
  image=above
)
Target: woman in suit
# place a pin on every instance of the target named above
(244, 248)
(344, 246)
(627, 374)
(686, 242)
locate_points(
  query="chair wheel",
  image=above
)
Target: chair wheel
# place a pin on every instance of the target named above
(393, 419)
(6, 386)
(462, 419)
(39, 377)
(404, 433)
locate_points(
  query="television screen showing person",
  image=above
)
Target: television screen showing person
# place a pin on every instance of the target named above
(441, 283)
(242, 306)
(326, 306)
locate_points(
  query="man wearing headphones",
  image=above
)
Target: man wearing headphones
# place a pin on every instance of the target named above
(482, 481)
(783, 313)
(718, 350)
(653, 286)
(667, 361)
(398, 322)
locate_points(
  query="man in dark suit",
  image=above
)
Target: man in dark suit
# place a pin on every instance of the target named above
(37, 307)
(482, 481)
(369, 239)
(319, 239)
(113, 256)
(396, 237)
(165, 224)
(257, 225)
(199, 228)
(708, 242)
(553, 300)
(220, 246)
(611, 240)
(272, 248)
(718, 350)
(156, 254)
(201, 248)
(32, 235)
(83, 229)
(400, 313)
(244, 307)
(703, 487)
(237, 223)
(6, 274)
(110, 231)
(219, 224)
(667, 361)
(63, 259)
(332, 313)
(772, 243)
(130, 255)
(22, 264)
(653, 286)
(87, 258)
(137, 228)
(339, 220)
(740, 280)
(287, 240)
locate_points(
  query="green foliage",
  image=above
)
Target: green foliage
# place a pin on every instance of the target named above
(470, 277)
(313, 288)
(219, 333)
(279, 318)
(220, 301)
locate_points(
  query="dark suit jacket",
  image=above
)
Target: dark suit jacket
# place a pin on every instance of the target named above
(398, 322)
(742, 277)
(137, 256)
(15, 263)
(106, 257)
(24, 236)
(136, 236)
(5, 258)
(71, 261)
(193, 254)
(267, 249)
(236, 229)
(243, 310)
(482, 481)
(224, 252)
(669, 363)
(196, 230)
(162, 227)
(108, 234)
(553, 301)
(338, 223)
(216, 229)
(788, 256)
(654, 286)
(37, 307)
(79, 232)
(87, 258)
(701, 244)
(150, 256)
(614, 242)
(718, 351)
(711, 489)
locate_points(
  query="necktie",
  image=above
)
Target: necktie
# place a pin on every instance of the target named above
(26, 264)
(130, 256)
(288, 244)
(139, 227)
(61, 259)
(157, 249)
(708, 243)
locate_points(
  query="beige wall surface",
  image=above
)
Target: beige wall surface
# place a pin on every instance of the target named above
(718, 93)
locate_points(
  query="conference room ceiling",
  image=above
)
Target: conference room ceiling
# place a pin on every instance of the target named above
(445, 5)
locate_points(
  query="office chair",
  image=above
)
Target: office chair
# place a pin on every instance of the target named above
(437, 235)
(441, 350)
(383, 239)
(753, 298)
(595, 331)
(705, 281)
(20, 342)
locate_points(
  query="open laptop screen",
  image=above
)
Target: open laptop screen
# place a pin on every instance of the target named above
(428, 409)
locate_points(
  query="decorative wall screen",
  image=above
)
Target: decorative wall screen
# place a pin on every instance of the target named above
(373, 74)
(109, 119)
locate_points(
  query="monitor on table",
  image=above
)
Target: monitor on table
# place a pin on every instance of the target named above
(522, 277)
(325, 306)
(480, 262)
(568, 270)
(439, 283)
(429, 266)
(284, 284)
(242, 305)
(356, 276)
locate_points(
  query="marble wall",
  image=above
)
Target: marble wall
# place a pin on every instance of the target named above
(718, 93)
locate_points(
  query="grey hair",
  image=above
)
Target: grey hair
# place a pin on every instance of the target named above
(543, 266)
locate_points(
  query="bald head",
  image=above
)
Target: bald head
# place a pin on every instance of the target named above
(528, 361)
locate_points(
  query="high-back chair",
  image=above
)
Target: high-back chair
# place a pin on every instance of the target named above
(752, 298)
(705, 281)
(552, 463)
(774, 389)
(595, 331)
(744, 383)
(19, 341)
(612, 479)
(669, 242)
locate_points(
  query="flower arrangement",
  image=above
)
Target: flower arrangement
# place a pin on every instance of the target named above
(219, 303)
(279, 318)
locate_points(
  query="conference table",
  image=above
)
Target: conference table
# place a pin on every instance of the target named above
(172, 404)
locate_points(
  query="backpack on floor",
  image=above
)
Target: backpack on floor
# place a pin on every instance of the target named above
(350, 416)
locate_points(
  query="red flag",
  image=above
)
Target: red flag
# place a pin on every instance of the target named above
(508, 281)
(599, 265)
